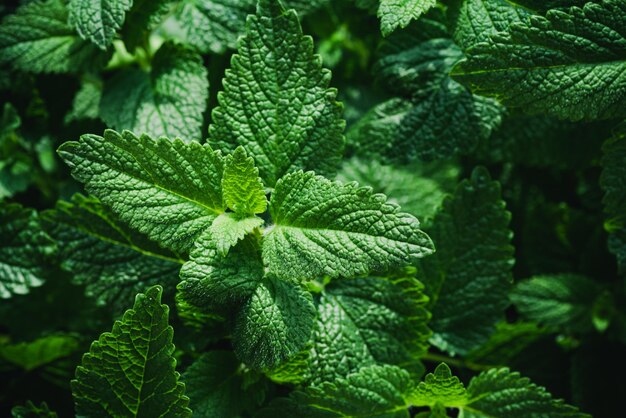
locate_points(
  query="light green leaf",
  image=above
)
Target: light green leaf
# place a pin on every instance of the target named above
(86, 104)
(399, 13)
(475, 21)
(211, 279)
(30, 410)
(564, 301)
(439, 388)
(112, 261)
(470, 276)
(33, 354)
(374, 391)
(329, 228)
(366, 321)
(170, 100)
(228, 229)
(38, 39)
(219, 387)
(242, 188)
(131, 371)
(274, 324)
(98, 20)
(569, 64)
(500, 393)
(276, 102)
(25, 250)
(613, 182)
(168, 190)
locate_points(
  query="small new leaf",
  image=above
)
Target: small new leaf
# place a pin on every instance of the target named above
(439, 388)
(242, 188)
(131, 371)
(228, 229)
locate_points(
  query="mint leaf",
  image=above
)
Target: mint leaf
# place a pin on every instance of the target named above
(276, 102)
(507, 342)
(242, 188)
(168, 190)
(228, 229)
(25, 250)
(399, 13)
(274, 324)
(564, 301)
(218, 386)
(569, 64)
(86, 104)
(169, 100)
(143, 17)
(112, 261)
(38, 39)
(469, 276)
(439, 388)
(33, 354)
(98, 21)
(500, 393)
(366, 321)
(16, 165)
(212, 279)
(30, 410)
(325, 228)
(130, 371)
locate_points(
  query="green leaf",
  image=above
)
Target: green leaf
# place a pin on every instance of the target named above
(439, 388)
(228, 229)
(445, 117)
(274, 324)
(369, 320)
(569, 64)
(500, 393)
(329, 228)
(218, 387)
(98, 20)
(30, 410)
(614, 201)
(415, 188)
(38, 39)
(399, 13)
(16, 165)
(374, 391)
(470, 276)
(276, 102)
(142, 18)
(475, 21)
(168, 190)
(564, 301)
(211, 279)
(86, 104)
(112, 261)
(131, 371)
(242, 188)
(25, 250)
(33, 354)
(170, 100)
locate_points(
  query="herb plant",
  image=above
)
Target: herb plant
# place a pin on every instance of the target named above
(251, 232)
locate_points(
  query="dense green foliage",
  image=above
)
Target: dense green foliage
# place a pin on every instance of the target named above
(289, 208)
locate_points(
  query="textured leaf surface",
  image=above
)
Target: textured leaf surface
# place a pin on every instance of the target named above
(329, 228)
(445, 117)
(399, 13)
(112, 261)
(33, 354)
(24, 250)
(366, 320)
(276, 102)
(274, 324)
(170, 100)
(98, 20)
(168, 190)
(228, 229)
(38, 39)
(439, 387)
(570, 64)
(131, 371)
(613, 182)
(564, 301)
(219, 387)
(375, 392)
(211, 279)
(470, 276)
(242, 188)
(499, 393)
(86, 104)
